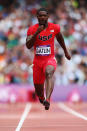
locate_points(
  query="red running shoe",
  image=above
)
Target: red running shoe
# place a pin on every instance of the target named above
(46, 104)
(41, 100)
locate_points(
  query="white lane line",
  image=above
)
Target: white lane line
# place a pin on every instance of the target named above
(69, 110)
(23, 117)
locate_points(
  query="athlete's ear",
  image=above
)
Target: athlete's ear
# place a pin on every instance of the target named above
(47, 15)
(37, 16)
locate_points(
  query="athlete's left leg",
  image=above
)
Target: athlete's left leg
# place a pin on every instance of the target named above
(49, 84)
(49, 80)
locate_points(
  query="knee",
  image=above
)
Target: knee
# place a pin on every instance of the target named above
(49, 72)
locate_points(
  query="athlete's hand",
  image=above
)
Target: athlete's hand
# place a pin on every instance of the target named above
(67, 55)
(40, 28)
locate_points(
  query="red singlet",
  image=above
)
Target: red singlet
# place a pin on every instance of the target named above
(43, 50)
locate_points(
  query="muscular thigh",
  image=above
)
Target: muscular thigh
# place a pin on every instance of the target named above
(51, 64)
(38, 75)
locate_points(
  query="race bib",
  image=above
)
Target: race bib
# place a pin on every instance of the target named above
(43, 50)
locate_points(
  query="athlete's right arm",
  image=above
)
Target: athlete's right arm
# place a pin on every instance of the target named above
(30, 40)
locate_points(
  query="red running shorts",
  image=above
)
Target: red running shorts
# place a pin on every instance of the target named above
(39, 69)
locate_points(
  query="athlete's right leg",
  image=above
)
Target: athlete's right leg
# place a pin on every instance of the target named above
(39, 89)
(38, 79)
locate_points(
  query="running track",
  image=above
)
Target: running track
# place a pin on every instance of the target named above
(33, 117)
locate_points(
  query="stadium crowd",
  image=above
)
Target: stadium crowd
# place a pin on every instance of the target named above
(15, 58)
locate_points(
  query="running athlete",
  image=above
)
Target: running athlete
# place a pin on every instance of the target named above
(41, 36)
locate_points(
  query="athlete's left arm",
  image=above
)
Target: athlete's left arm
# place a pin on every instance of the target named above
(60, 39)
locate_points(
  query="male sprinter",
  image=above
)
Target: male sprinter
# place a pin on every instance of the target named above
(41, 36)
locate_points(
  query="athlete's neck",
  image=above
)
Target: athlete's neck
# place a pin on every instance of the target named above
(45, 25)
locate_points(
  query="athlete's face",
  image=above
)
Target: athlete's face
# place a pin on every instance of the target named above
(42, 18)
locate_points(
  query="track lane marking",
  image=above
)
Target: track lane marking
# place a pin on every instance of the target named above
(24, 115)
(71, 111)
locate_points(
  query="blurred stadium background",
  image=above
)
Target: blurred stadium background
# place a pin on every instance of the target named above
(16, 82)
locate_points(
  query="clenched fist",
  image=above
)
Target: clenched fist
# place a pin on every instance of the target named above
(67, 55)
(40, 28)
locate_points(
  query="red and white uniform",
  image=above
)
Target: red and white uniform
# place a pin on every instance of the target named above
(43, 50)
